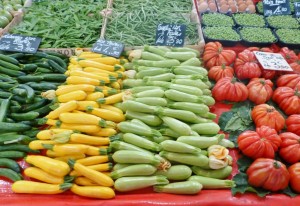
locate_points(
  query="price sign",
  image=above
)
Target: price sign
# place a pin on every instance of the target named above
(276, 7)
(272, 61)
(109, 48)
(297, 9)
(19, 43)
(170, 35)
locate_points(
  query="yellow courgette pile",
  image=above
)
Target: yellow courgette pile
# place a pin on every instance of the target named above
(81, 126)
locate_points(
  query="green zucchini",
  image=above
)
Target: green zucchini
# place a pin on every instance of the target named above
(10, 174)
(19, 92)
(36, 105)
(45, 109)
(14, 109)
(16, 55)
(57, 60)
(43, 70)
(19, 99)
(6, 86)
(9, 65)
(29, 91)
(29, 67)
(54, 77)
(43, 64)
(13, 127)
(3, 109)
(4, 94)
(56, 67)
(6, 78)
(42, 85)
(30, 78)
(57, 54)
(9, 59)
(10, 164)
(31, 133)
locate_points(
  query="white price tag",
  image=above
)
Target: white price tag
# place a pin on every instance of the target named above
(272, 61)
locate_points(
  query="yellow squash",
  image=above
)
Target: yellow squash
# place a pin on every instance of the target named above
(93, 191)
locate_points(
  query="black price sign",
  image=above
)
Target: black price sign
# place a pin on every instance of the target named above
(276, 7)
(297, 9)
(170, 35)
(19, 43)
(109, 48)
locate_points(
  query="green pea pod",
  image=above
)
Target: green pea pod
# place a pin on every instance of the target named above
(126, 184)
(201, 142)
(141, 142)
(181, 188)
(134, 170)
(189, 159)
(137, 157)
(176, 172)
(180, 127)
(179, 147)
(212, 183)
(118, 145)
(217, 174)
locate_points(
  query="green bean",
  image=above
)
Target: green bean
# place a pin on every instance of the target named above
(182, 188)
(212, 183)
(179, 147)
(137, 157)
(217, 174)
(126, 184)
(176, 172)
(189, 159)
(134, 170)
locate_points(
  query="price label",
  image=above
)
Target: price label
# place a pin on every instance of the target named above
(170, 35)
(272, 61)
(276, 7)
(19, 43)
(297, 9)
(109, 48)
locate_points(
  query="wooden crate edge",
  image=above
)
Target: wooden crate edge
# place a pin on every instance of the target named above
(18, 16)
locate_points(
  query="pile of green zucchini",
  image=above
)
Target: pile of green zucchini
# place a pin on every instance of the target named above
(23, 77)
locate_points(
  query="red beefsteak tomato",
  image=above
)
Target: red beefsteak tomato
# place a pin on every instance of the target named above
(296, 67)
(215, 55)
(289, 55)
(263, 49)
(260, 90)
(288, 99)
(246, 65)
(289, 80)
(266, 115)
(229, 89)
(268, 74)
(269, 174)
(289, 149)
(294, 171)
(263, 142)
(218, 72)
(293, 123)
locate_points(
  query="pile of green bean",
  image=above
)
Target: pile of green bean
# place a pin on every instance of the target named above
(169, 130)
(63, 24)
(135, 23)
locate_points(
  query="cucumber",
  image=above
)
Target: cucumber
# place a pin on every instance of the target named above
(24, 116)
(17, 147)
(9, 65)
(57, 60)
(29, 67)
(13, 127)
(9, 120)
(54, 77)
(43, 70)
(12, 154)
(16, 55)
(19, 99)
(10, 164)
(36, 105)
(3, 109)
(14, 109)
(29, 91)
(9, 59)
(10, 174)
(43, 64)
(56, 67)
(6, 78)
(19, 92)
(52, 53)
(45, 109)
(6, 86)
(11, 72)
(31, 133)
(30, 78)
(42, 85)
(4, 94)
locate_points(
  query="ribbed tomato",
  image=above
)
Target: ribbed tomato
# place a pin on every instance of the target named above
(289, 80)
(266, 115)
(293, 123)
(229, 89)
(263, 49)
(246, 65)
(263, 142)
(296, 67)
(218, 72)
(289, 55)
(260, 90)
(288, 100)
(268, 74)
(269, 174)
(215, 55)
(294, 171)
(290, 147)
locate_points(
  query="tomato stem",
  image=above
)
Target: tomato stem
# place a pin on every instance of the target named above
(262, 81)
(277, 164)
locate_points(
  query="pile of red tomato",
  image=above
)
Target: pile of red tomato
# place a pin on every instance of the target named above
(262, 144)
